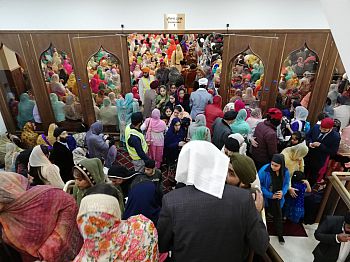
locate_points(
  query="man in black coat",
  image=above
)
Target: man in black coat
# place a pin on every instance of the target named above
(61, 156)
(198, 225)
(221, 128)
(323, 142)
(334, 236)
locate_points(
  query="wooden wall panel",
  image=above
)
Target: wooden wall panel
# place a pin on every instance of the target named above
(84, 47)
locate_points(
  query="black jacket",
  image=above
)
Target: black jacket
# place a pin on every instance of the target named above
(221, 130)
(328, 248)
(62, 157)
(199, 227)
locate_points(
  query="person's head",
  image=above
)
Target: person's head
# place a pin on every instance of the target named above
(168, 112)
(296, 138)
(277, 163)
(193, 66)
(231, 146)
(172, 99)
(173, 89)
(321, 116)
(88, 172)
(241, 171)
(145, 72)
(181, 93)
(162, 65)
(274, 115)
(230, 116)
(104, 188)
(298, 176)
(256, 113)
(118, 175)
(327, 125)
(203, 82)
(60, 134)
(177, 110)
(136, 119)
(154, 84)
(150, 166)
(162, 90)
(337, 125)
(176, 124)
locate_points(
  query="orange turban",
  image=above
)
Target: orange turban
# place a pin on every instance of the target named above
(145, 70)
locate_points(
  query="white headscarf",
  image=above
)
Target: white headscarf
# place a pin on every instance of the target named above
(242, 143)
(203, 165)
(38, 158)
(301, 113)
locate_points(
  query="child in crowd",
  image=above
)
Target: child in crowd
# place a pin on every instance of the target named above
(295, 206)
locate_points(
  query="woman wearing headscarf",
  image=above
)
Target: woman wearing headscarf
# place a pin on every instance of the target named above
(42, 170)
(300, 123)
(108, 238)
(240, 125)
(254, 119)
(333, 94)
(199, 121)
(176, 57)
(274, 179)
(48, 140)
(10, 157)
(58, 108)
(201, 133)
(174, 141)
(108, 113)
(96, 145)
(179, 112)
(241, 143)
(248, 97)
(87, 173)
(111, 97)
(51, 235)
(294, 160)
(162, 99)
(79, 154)
(143, 199)
(125, 108)
(94, 83)
(25, 110)
(28, 136)
(213, 111)
(56, 86)
(72, 108)
(150, 99)
(155, 128)
(72, 84)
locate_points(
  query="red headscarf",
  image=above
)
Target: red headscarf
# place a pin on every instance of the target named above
(135, 92)
(39, 222)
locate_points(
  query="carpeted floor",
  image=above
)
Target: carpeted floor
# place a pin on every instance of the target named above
(289, 229)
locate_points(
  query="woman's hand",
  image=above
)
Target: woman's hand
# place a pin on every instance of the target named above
(292, 193)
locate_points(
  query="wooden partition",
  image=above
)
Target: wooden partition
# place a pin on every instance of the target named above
(272, 46)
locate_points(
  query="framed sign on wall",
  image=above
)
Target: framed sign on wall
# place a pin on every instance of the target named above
(174, 21)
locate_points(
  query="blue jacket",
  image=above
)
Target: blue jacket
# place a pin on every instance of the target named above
(265, 181)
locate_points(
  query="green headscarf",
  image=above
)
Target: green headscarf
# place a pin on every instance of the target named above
(58, 108)
(92, 169)
(201, 133)
(25, 110)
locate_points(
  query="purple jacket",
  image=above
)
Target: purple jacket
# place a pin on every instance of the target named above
(266, 136)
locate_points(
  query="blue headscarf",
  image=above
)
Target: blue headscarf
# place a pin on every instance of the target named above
(25, 110)
(143, 199)
(240, 125)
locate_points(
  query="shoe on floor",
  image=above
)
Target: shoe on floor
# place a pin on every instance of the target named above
(281, 240)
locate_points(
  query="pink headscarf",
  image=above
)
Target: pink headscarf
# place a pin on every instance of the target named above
(239, 105)
(67, 66)
(94, 85)
(155, 123)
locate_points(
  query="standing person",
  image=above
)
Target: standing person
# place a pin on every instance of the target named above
(25, 110)
(323, 143)
(42, 170)
(136, 143)
(240, 125)
(39, 221)
(200, 121)
(200, 98)
(125, 108)
(274, 180)
(108, 113)
(150, 99)
(300, 123)
(190, 77)
(266, 136)
(162, 99)
(61, 155)
(97, 146)
(221, 128)
(174, 141)
(333, 234)
(231, 234)
(254, 119)
(108, 238)
(145, 82)
(213, 111)
(155, 128)
(162, 73)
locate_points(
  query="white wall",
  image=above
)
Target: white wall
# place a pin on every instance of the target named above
(337, 13)
(137, 14)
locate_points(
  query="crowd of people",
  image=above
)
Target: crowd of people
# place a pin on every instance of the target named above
(65, 197)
